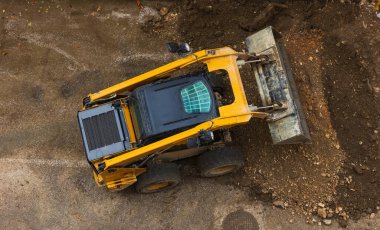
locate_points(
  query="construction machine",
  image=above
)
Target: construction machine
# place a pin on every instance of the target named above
(135, 131)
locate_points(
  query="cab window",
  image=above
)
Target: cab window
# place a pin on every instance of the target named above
(196, 98)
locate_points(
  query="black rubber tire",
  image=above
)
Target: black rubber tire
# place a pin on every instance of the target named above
(158, 173)
(231, 158)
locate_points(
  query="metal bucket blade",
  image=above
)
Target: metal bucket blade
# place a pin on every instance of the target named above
(276, 86)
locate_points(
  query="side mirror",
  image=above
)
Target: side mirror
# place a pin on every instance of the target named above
(204, 138)
(178, 48)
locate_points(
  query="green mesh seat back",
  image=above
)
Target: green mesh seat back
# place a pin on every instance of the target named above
(196, 98)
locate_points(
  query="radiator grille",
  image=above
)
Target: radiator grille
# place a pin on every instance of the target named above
(101, 130)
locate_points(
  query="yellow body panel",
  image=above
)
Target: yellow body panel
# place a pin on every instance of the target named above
(164, 70)
(128, 120)
(230, 115)
(118, 178)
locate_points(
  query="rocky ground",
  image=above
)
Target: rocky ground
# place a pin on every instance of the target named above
(52, 53)
(334, 51)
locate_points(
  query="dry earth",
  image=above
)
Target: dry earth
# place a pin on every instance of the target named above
(52, 53)
(334, 50)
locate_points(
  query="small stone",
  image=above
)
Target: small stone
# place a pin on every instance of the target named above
(337, 146)
(376, 89)
(357, 169)
(310, 58)
(343, 215)
(372, 215)
(327, 221)
(208, 9)
(164, 11)
(291, 221)
(343, 223)
(360, 142)
(279, 204)
(327, 135)
(310, 108)
(322, 213)
(321, 205)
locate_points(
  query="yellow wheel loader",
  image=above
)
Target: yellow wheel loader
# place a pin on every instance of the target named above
(134, 131)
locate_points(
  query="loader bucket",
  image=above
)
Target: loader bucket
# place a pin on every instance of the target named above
(277, 87)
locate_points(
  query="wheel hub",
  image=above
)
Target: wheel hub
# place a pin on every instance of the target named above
(222, 169)
(158, 186)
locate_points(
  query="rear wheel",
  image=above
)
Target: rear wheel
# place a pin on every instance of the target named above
(158, 177)
(220, 162)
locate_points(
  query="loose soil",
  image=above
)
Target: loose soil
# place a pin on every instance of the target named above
(334, 53)
(53, 53)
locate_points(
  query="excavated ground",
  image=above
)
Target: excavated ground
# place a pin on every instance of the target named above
(53, 53)
(334, 52)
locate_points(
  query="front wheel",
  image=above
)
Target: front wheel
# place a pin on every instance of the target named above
(220, 162)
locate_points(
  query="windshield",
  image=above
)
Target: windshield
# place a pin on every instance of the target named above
(196, 98)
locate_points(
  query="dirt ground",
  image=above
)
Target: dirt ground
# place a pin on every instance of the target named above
(334, 51)
(52, 53)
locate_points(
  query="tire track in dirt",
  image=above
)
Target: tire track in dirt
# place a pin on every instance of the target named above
(46, 162)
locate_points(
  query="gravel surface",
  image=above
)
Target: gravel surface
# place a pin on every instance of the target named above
(53, 53)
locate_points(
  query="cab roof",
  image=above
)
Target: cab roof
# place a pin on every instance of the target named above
(174, 104)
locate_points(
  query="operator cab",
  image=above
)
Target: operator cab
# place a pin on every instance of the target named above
(169, 106)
